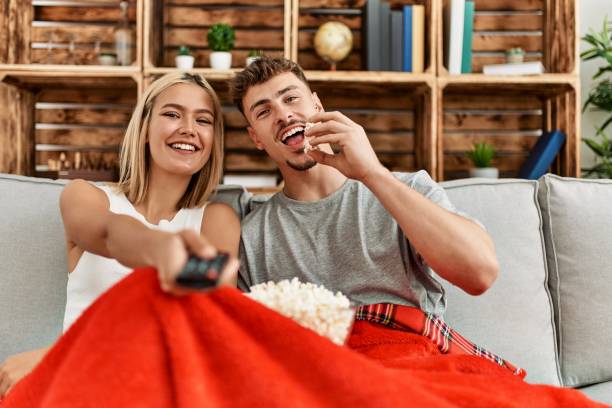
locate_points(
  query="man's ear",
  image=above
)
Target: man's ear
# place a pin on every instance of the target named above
(255, 138)
(317, 101)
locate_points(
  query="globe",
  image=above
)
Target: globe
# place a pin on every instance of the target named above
(333, 42)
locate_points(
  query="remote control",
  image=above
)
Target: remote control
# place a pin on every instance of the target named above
(195, 273)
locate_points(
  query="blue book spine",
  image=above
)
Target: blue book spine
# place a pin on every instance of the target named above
(468, 29)
(542, 155)
(407, 63)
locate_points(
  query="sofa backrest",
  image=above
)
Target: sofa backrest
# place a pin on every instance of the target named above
(32, 264)
(33, 268)
(514, 317)
(578, 236)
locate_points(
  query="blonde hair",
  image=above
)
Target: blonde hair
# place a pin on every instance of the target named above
(134, 159)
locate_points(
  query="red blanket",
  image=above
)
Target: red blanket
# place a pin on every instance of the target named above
(137, 346)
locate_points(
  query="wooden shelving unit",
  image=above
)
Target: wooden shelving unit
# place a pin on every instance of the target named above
(415, 121)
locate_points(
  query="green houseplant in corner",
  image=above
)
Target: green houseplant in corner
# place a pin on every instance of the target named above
(600, 99)
(481, 156)
(221, 39)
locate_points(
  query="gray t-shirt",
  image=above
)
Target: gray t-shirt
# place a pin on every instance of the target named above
(346, 241)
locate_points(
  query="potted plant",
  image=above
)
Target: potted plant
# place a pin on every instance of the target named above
(253, 55)
(221, 38)
(482, 155)
(515, 55)
(184, 59)
(600, 98)
(107, 58)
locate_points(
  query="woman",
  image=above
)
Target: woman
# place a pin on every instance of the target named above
(157, 215)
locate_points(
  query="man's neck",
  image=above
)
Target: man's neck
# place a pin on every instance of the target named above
(313, 184)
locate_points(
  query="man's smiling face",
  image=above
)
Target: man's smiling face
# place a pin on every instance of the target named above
(277, 111)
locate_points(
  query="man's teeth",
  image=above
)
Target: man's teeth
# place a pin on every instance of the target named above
(292, 132)
(183, 146)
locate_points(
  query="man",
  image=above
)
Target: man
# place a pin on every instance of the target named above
(343, 220)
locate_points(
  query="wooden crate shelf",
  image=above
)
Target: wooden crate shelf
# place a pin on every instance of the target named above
(415, 121)
(545, 29)
(308, 15)
(259, 25)
(511, 120)
(66, 32)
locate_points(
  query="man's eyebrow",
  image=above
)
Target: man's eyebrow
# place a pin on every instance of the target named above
(277, 94)
(180, 107)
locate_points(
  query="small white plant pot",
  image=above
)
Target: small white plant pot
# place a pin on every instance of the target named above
(184, 61)
(250, 60)
(484, 172)
(221, 60)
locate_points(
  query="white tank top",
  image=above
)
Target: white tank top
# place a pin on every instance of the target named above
(94, 274)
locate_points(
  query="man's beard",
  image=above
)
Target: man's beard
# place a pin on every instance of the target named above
(303, 166)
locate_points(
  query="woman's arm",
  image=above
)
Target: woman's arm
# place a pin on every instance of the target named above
(91, 226)
(15, 367)
(221, 226)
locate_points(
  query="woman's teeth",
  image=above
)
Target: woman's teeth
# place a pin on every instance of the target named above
(183, 146)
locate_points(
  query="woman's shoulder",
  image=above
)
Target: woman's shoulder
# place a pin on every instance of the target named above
(83, 191)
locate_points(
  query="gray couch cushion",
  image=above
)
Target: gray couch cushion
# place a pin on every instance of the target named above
(33, 268)
(601, 392)
(578, 238)
(514, 317)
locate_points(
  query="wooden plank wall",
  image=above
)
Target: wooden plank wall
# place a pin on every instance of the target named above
(258, 25)
(503, 24)
(85, 23)
(509, 121)
(16, 142)
(90, 121)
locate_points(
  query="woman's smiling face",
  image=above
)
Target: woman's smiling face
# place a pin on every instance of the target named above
(181, 130)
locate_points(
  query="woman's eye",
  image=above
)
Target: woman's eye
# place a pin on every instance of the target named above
(171, 114)
(204, 121)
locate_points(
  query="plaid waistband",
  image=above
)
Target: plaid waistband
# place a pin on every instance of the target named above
(413, 319)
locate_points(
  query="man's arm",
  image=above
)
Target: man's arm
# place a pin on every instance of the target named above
(458, 250)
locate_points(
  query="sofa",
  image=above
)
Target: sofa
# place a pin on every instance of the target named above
(550, 310)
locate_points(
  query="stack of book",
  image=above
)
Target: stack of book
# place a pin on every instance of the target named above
(394, 40)
(458, 33)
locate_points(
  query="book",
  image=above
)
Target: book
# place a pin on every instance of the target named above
(418, 38)
(407, 41)
(454, 12)
(396, 27)
(371, 35)
(468, 31)
(384, 46)
(542, 155)
(521, 68)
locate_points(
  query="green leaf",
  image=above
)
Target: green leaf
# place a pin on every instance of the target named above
(602, 70)
(594, 146)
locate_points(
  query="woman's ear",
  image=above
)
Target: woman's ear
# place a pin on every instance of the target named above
(255, 138)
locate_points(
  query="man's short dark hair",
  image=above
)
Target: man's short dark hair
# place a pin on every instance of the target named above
(260, 71)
